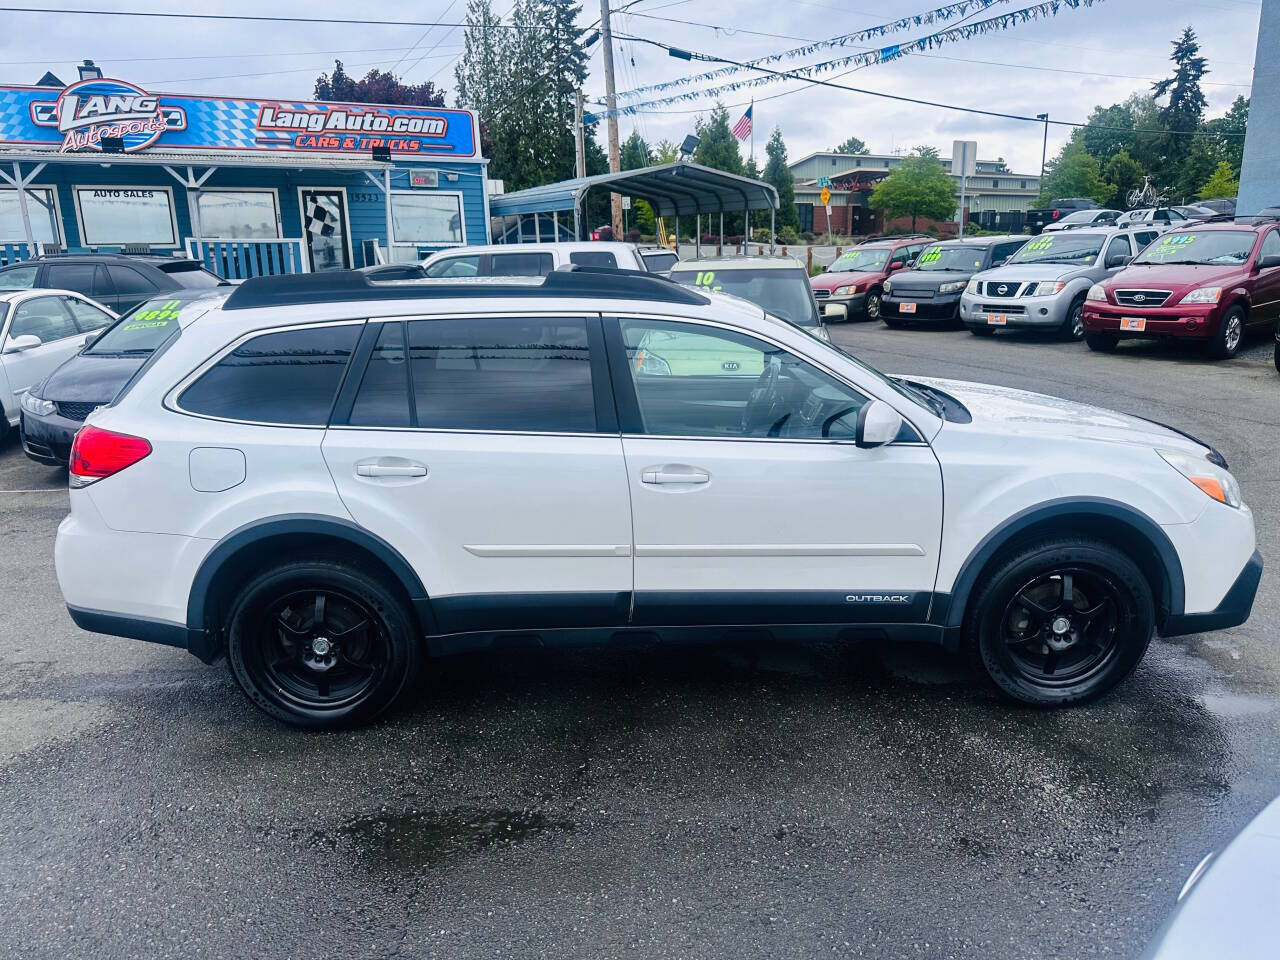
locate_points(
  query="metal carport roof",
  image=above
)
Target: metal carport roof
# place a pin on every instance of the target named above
(672, 189)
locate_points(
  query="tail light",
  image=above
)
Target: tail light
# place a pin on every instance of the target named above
(1057, 214)
(98, 453)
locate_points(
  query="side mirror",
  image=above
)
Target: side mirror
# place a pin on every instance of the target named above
(28, 341)
(835, 311)
(1118, 260)
(896, 265)
(1271, 260)
(878, 424)
(89, 338)
(910, 264)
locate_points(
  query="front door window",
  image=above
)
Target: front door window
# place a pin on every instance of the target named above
(324, 225)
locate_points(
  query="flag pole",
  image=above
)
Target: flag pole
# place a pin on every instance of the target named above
(752, 108)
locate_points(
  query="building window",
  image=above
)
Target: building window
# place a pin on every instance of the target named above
(1024, 184)
(995, 182)
(119, 215)
(239, 214)
(426, 218)
(40, 208)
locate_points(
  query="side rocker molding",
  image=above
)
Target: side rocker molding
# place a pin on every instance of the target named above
(206, 646)
(949, 609)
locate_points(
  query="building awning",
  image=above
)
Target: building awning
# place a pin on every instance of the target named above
(671, 189)
(197, 158)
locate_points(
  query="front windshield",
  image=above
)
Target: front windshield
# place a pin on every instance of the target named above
(140, 331)
(863, 259)
(784, 293)
(1060, 248)
(943, 257)
(1224, 247)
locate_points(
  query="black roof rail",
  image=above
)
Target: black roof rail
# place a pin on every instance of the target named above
(348, 286)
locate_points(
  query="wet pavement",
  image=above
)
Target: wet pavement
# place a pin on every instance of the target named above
(761, 801)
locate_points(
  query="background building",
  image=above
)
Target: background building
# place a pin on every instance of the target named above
(997, 198)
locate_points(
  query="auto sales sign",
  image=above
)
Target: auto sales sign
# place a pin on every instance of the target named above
(80, 117)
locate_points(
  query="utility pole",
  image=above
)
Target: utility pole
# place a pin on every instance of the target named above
(611, 101)
(1044, 149)
(579, 139)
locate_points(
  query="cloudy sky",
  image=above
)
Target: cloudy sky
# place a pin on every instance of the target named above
(1063, 65)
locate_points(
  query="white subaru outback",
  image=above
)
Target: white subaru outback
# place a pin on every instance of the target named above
(328, 479)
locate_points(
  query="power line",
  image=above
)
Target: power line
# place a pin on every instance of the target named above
(235, 17)
(44, 61)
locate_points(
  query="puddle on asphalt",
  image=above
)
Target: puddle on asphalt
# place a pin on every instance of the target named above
(1234, 705)
(424, 838)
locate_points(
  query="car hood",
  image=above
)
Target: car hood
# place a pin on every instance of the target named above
(1022, 412)
(86, 378)
(829, 281)
(1176, 277)
(1022, 272)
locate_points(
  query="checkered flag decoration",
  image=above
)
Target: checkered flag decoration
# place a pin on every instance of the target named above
(319, 220)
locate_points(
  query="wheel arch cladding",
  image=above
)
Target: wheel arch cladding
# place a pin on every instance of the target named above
(251, 548)
(1110, 521)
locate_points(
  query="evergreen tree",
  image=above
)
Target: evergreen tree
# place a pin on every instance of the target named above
(717, 147)
(635, 152)
(1222, 185)
(1200, 163)
(1124, 174)
(664, 151)
(852, 145)
(918, 187)
(1184, 112)
(1229, 130)
(778, 173)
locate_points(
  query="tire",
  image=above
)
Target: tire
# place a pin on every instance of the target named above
(1073, 327)
(1042, 653)
(275, 652)
(1276, 356)
(1101, 342)
(871, 306)
(982, 331)
(1226, 342)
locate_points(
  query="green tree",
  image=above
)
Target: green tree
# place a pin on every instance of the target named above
(1109, 131)
(853, 145)
(1073, 173)
(1223, 183)
(778, 173)
(1124, 174)
(634, 155)
(717, 146)
(1229, 130)
(1200, 163)
(918, 187)
(664, 151)
(1184, 112)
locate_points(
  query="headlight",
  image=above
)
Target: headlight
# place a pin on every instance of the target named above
(33, 404)
(953, 287)
(1096, 292)
(1213, 480)
(845, 291)
(888, 286)
(1203, 295)
(972, 286)
(1049, 288)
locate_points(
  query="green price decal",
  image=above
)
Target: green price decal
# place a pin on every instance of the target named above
(1041, 243)
(706, 278)
(154, 314)
(930, 255)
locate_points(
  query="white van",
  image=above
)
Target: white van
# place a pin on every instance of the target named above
(531, 259)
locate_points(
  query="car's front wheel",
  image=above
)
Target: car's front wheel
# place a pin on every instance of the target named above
(1226, 342)
(1060, 622)
(1073, 326)
(321, 644)
(1276, 356)
(872, 305)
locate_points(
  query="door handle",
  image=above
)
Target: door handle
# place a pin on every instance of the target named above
(674, 473)
(402, 469)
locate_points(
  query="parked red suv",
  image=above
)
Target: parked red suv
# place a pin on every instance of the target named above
(1204, 282)
(854, 280)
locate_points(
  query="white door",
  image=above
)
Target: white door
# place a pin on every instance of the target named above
(751, 502)
(47, 319)
(490, 460)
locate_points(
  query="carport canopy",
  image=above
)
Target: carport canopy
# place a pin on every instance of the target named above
(672, 189)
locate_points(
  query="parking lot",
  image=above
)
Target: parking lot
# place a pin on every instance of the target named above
(775, 801)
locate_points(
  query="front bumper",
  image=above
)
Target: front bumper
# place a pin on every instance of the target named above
(1231, 612)
(1028, 312)
(944, 307)
(1187, 321)
(854, 303)
(48, 439)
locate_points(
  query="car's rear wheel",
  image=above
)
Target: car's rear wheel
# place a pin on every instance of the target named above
(1073, 326)
(1226, 342)
(1060, 622)
(871, 306)
(1101, 342)
(321, 644)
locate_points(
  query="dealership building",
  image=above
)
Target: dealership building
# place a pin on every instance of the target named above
(247, 186)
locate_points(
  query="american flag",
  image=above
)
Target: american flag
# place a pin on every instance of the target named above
(742, 129)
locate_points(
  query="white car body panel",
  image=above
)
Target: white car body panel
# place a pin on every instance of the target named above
(627, 255)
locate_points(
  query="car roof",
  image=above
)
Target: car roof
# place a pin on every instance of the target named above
(740, 262)
(1219, 225)
(980, 241)
(572, 246)
(9, 295)
(103, 257)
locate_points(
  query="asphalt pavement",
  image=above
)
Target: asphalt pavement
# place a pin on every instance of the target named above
(775, 801)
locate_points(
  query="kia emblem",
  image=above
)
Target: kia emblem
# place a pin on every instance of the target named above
(1139, 298)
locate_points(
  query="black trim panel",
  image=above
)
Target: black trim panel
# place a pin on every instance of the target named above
(132, 628)
(463, 613)
(755, 607)
(1231, 612)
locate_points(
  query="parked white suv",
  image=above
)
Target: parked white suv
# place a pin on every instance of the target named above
(328, 478)
(531, 259)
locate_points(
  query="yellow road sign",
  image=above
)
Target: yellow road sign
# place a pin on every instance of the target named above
(826, 196)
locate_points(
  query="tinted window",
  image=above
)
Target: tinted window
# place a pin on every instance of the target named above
(521, 265)
(18, 278)
(87, 316)
(784, 292)
(71, 276)
(658, 262)
(383, 397)
(455, 267)
(129, 281)
(502, 374)
(288, 377)
(43, 317)
(189, 274)
(1271, 245)
(1003, 251)
(696, 381)
(593, 258)
(1118, 247)
(1145, 237)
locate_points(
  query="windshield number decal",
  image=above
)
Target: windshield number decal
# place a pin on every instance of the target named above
(707, 278)
(930, 255)
(158, 316)
(1040, 243)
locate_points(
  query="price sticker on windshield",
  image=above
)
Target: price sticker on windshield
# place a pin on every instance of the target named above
(931, 255)
(1040, 243)
(707, 278)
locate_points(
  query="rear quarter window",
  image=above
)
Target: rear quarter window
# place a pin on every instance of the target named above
(592, 258)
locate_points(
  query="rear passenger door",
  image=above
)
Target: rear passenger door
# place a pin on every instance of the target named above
(486, 450)
(130, 285)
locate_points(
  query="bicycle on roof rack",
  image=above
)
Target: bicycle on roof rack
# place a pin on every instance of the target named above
(1146, 196)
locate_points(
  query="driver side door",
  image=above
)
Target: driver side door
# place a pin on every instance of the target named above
(751, 503)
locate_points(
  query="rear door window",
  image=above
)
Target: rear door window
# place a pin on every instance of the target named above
(129, 282)
(43, 317)
(290, 377)
(18, 278)
(72, 276)
(522, 265)
(383, 397)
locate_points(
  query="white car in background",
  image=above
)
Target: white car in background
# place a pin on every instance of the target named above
(778, 284)
(531, 259)
(39, 329)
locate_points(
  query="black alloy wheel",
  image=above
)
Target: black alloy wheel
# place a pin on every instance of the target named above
(1060, 622)
(321, 644)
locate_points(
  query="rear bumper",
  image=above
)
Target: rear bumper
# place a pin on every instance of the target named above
(1231, 612)
(1195, 322)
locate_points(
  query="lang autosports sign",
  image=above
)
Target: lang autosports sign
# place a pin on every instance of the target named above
(81, 116)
